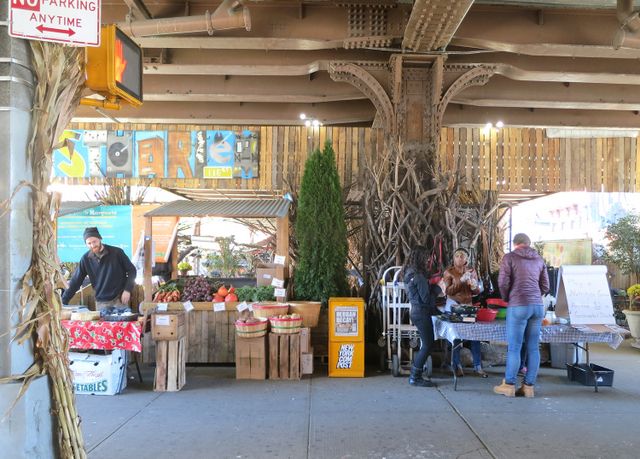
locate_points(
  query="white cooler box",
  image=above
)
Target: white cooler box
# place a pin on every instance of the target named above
(98, 374)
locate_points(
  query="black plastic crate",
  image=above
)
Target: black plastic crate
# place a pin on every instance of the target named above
(580, 372)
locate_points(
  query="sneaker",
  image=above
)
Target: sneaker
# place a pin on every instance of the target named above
(480, 372)
(525, 391)
(508, 390)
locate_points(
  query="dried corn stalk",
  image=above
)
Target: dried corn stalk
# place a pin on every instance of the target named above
(60, 76)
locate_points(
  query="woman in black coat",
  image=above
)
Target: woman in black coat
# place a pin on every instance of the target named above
(422, 292)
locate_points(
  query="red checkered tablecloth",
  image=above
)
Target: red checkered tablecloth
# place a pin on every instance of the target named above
(88, 334)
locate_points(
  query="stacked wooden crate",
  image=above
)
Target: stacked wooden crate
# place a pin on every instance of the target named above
(168, 330)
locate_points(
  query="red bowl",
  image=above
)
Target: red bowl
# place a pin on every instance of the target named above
(497, 302)
(486, 315)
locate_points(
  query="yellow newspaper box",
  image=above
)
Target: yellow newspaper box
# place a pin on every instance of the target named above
(346, 337)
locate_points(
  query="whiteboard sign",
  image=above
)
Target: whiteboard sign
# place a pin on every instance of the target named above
(584, 296)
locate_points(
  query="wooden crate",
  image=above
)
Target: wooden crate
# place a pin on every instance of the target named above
(284, 356)
(170, 365)
(251, 358)
(211, 334)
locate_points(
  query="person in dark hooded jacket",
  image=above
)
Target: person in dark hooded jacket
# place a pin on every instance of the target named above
(422, 294)
(522, 281)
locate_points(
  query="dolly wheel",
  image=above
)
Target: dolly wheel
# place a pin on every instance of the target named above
(395, 365)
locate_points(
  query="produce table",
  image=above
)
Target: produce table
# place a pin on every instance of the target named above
(210, 334)
(497, 331)
(103, 335)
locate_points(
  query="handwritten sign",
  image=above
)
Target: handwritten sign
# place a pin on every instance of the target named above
(162, 306)
(279, 292)
(217, 307)
(188, 306)
(584, 296)
(277, 283)
(279, 260)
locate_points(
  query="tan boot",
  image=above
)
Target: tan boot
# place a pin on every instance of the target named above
(508, 390)
(525, 391)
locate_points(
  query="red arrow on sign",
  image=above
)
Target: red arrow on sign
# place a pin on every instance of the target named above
(42, 28)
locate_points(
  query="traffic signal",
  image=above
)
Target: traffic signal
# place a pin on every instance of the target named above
(114, 69)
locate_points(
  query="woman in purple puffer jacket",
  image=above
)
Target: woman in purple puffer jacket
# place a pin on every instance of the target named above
(522, 281)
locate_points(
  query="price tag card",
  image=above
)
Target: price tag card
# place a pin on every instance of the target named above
(242, 306)
(277, 283)
(188, 306)
(163, 320)
(217, 307)
(251, 307)
(278, 292)
(279, 259)
(162, 307)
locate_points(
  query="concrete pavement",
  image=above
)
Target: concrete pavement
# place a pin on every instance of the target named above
(217, 416)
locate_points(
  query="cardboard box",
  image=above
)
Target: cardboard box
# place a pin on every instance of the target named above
(306, 362)
(251, 358)
(168, 325)
(305, 340)
(98, 374)
(266, 272)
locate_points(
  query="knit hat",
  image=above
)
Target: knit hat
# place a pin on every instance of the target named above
(91, 231)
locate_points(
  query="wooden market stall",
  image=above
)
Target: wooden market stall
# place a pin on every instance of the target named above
(211, 334)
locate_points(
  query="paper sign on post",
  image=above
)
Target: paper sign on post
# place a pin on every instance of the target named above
(188, 306)
(162, 306)
(584, 296)
(278, 283)
(217, 307)
(163, 320)
(279, 260)
(242, 306)
(279, 292)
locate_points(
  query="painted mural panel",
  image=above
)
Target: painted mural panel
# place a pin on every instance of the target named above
(215, 154)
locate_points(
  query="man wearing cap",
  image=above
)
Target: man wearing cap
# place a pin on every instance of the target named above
(110, 271)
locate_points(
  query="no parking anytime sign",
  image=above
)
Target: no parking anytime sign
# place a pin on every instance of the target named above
(74, 22)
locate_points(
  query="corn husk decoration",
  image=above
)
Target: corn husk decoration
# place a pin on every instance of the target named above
(60, 77)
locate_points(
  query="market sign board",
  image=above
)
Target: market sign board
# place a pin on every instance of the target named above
(584, 296)
(113, 222)
(75, 22)
(202, 154)
(120, 226)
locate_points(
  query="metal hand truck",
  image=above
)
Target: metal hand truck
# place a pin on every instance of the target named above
(398, 332)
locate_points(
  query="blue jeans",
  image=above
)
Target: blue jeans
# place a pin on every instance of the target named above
(523, 324)
(476, 352)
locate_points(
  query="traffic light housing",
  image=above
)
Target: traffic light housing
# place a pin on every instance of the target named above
(114, 69)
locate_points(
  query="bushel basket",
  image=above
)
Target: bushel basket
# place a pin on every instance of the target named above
(252, 330)
(285, 326)
(309, 310)
(267, 310)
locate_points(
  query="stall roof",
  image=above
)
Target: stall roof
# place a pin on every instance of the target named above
(71, 207)
(233, 208)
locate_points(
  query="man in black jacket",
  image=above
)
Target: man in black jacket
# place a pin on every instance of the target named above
(110, 271)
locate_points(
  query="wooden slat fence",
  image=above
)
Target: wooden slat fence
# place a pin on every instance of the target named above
(509, 159)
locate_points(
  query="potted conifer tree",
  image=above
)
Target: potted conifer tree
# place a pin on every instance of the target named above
(321, 231)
